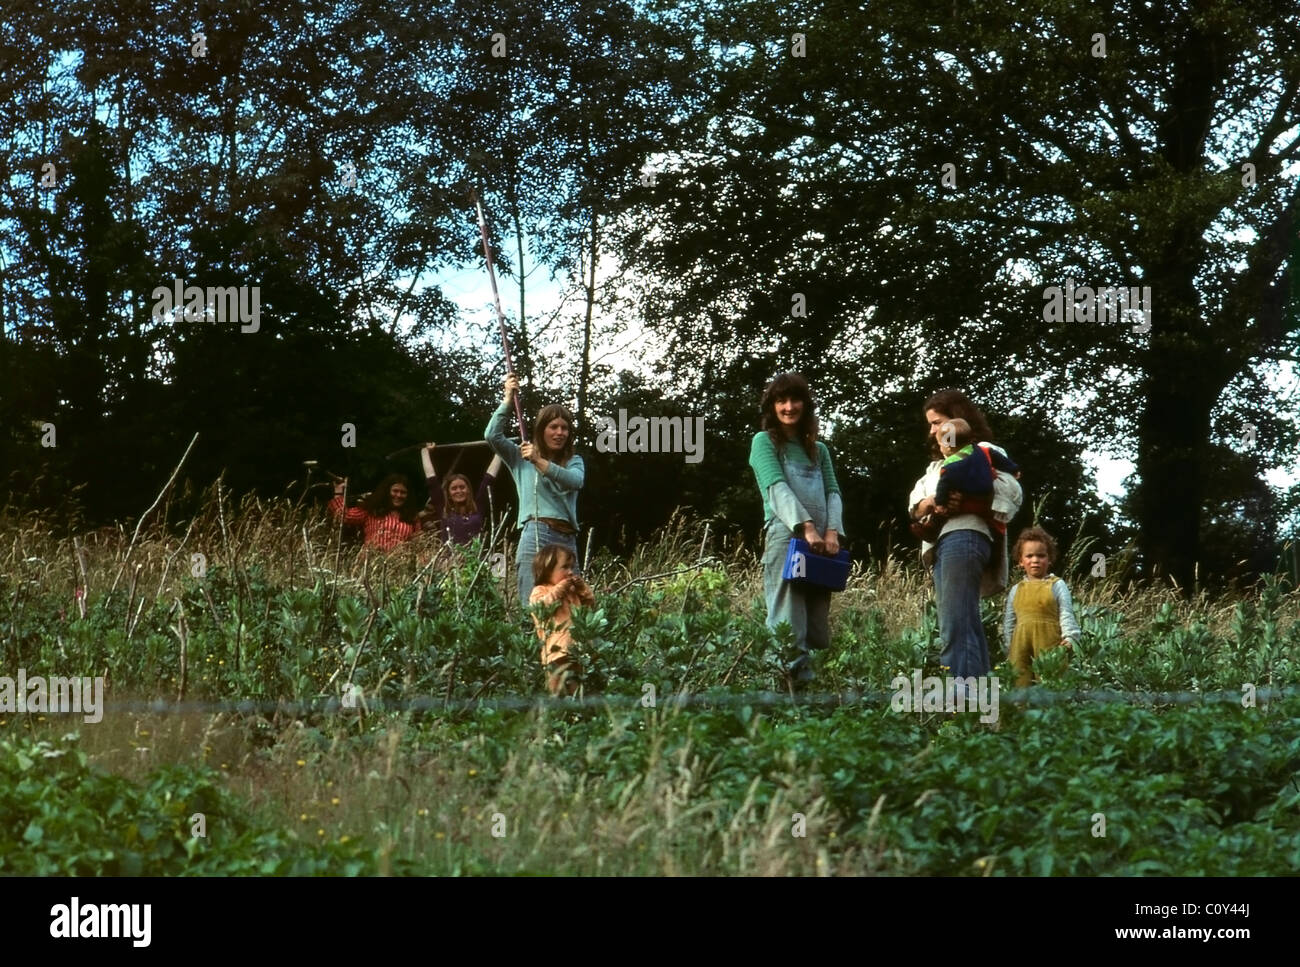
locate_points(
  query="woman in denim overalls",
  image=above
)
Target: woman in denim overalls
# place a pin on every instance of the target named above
(801, 498)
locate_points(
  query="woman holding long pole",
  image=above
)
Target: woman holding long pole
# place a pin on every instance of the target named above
(547, 476)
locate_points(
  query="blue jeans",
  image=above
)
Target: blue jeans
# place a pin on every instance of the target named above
(959, 561)
(535, 536)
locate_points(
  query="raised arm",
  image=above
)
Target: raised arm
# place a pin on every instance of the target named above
(352, 516)
(493, 471)
(431, 480)
(495, 434)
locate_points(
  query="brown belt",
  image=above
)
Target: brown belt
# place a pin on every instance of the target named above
(563, 526)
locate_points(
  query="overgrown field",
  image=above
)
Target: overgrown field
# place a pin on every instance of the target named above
(481, 775)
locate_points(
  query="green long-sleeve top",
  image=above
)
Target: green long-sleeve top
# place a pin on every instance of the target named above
(552, 494)
(778, 499)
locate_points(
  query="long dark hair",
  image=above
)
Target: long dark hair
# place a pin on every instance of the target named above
(954, 404)
(794, 386)
(380, 503)
(446, 494)
(551, 412)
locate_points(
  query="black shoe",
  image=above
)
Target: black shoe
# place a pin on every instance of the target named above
(797, 679)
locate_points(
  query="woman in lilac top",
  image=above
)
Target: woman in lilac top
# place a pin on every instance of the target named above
(455, 513)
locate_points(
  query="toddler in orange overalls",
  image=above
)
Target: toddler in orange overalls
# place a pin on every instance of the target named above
(557, 589)
(1040, 613)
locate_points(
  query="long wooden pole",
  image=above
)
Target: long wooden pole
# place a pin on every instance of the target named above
(441, 446)
(501, 316)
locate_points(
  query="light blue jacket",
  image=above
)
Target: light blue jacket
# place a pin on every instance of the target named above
(552, 494)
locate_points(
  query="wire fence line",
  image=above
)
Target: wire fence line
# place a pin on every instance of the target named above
(1028, 697)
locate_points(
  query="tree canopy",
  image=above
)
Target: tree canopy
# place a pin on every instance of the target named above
(891, 198)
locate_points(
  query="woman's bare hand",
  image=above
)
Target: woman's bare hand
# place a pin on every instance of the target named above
(816, 543)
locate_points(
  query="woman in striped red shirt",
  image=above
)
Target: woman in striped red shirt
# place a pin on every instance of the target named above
(387, 517)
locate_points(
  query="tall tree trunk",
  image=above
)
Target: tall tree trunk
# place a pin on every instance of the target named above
(1183, 382)
(1171, 462)
(1181, 373)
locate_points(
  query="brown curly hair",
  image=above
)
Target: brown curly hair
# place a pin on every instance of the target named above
(1036, 535)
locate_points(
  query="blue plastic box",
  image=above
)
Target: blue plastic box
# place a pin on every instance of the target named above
(804, 567)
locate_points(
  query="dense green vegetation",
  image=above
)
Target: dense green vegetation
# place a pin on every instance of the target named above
(685, 198)
(501, 780)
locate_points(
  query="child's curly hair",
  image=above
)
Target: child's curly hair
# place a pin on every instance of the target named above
(1036, 535)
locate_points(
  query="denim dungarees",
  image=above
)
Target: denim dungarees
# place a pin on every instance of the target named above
(805, 607)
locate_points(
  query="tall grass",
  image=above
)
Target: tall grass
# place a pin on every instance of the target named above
(285, 610)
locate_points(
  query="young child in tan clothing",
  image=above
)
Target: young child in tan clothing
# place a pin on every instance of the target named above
(556, 589)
